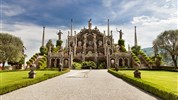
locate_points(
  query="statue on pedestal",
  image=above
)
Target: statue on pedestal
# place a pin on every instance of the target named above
(89, 24)
(59, 34)
(120, 33)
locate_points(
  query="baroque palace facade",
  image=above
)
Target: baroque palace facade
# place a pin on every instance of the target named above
(90, 45)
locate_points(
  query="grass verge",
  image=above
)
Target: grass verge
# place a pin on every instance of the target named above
(155, 89)
(11, 81)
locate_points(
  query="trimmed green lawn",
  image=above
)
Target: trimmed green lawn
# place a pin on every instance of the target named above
(7, 78)
(163, 79)
(10, 81)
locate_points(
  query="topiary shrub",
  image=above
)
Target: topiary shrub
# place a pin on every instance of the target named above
(43, 50)
(42, 63)
(121, 42)
(135, 58)
(123, 49)
(88, 64)
(28, 63)
(136, 50)
(59, 43)
(76, 65)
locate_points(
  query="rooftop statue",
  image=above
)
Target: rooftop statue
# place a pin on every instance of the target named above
(89, 24)
(59, 34)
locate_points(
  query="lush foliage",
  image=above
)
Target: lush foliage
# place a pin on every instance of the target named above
(167, 42)
(136, 50)
(121, 42)
(88, 64)
(165, 88)
(43, 50)
(32, 59)
(11, 48)
(77, 65)
(59, 43)
(49, 45)
(122, 48)
(135, 58)
(42, 62)
(10, 83)
(146, 57)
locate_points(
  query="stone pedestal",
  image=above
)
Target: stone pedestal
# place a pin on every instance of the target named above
(137, 74)
(31, 74)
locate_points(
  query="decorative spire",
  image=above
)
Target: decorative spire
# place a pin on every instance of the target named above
(68, 33)
(43, 36)
(135, 37)
(111, 32)
(75, 32)
(108, 27)
(71, 26)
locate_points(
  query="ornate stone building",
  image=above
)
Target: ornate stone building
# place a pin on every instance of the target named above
(90, 45)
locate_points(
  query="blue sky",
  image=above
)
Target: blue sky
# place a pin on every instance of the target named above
(25, 18)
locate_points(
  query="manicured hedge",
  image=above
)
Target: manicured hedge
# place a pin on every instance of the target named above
(146, 57)
(42, 62)
(135, 58)
(16, 86)
(152, 88)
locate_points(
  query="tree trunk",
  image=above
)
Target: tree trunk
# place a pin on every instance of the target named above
(3, 64)
(174, 61)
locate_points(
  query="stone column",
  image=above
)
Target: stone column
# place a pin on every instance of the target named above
(95, 47)
(104, 45)
(84, 44)
(71, 59)
(55, 62)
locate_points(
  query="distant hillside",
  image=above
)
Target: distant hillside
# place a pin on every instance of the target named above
(148, 51)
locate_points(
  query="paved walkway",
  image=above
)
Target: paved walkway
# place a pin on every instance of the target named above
(80, 85)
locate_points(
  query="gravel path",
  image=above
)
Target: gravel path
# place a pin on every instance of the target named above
(80, 85)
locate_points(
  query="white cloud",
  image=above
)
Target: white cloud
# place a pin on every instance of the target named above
(150, 17)
(31, 35)
(144, 20)
(12, 10)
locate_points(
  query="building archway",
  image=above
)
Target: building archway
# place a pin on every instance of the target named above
(58, 63)
(53, 62)
(126, 62)
(120, 62)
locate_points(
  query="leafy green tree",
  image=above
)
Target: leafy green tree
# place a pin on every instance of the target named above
(11, 49)
(168, 41)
